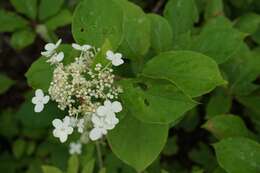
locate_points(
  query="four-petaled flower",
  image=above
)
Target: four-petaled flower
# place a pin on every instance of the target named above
(62, 128)
(108, 111)
(50, 48)
(82, 48)
(100, 127)
(39, 100)
(115, 58)
(80, 125)
(75, 148)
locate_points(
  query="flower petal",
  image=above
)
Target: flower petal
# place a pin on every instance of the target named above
(58, 43)
(117, 61)
(35, 100)
(66, 121)
(116, 106)
(39, 93)
(101, 110)
(46, 99)
(59, 57)
(76, 46)
(109, 55)
(56, 133)
(69, 130)
(57, 123)
(50, 46)
(96, 121)
(95, 134)
(63, 137)
(38, 107)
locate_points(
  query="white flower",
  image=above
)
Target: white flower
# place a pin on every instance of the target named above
(80, 125)
(50, 48)
(73, 121)
(62, 128)
(83, 48)
(56, 58)
(109, 108)
(75, 148)
(115, 58)
(39, 100)
(100, 128)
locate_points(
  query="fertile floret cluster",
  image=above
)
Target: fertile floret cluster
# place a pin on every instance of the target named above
(84, 89)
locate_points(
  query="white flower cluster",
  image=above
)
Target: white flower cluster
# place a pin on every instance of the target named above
(84, 89)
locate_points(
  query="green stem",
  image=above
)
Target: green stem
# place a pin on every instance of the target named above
(99, 154)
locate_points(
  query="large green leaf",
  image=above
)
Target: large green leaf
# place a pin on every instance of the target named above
(193, 72)
(27, 7)
(224, 126)
(209, 42)
(155, 101)
(22, 38)
(5, 83)
(95, 21)
(10, 21)
(49, 8)
(161, 33)
(136, 31)
(181, 16)
(137, 143)
(238, 155)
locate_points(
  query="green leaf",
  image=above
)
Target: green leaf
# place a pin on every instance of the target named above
(137, 143)
(154, 99)
(63, 18)
(248, 23)
(73, 164)
(242, 70)
(50, 169)
(94, 22)
(89, 166)
(238, 155)
(193, 72)
(22, 38)
(27, 7)
(214, 8)
(5, 83)
(39, 76)
(19, 147)
(10, 21)
(181, 16)
(49, 8)
(161, 33)
(224, 126)
(209, 42)
(136, 31)
(219, 103)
